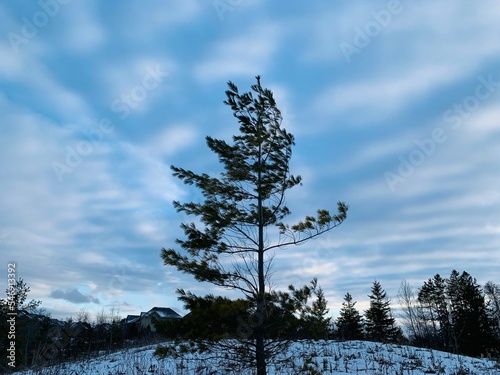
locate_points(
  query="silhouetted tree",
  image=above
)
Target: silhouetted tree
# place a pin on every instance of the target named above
(350, 322)
(29, 329)
(304, 321)
(83, 316)
(492, 293)
(420, 331)
(433, 299)
(16, 297)
(232, 244)
(379, 323)
(457, 312)
(212, 320)
(318, 324)
(209, 318)
(471, 326)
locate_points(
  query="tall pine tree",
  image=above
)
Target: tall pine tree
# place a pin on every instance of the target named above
(233, 243)
(472, 328)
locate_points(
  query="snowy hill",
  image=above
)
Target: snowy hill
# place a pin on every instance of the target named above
(352, 357)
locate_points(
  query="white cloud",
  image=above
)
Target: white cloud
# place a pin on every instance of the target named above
(91, 258)
(172, 139)
(382, 97)
(10, 63)
(329, 28)
(245, 55)
(482, 124)
(39, 81)
(119, 79)
(146, 21)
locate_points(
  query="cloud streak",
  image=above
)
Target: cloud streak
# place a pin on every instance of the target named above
(93, 236)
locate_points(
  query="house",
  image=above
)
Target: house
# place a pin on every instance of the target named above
(145, 321)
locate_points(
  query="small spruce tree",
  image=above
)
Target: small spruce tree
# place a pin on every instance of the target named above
(380, 325)
(350, 322)
(317, 316)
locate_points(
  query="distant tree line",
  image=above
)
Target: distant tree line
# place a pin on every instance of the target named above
(41, 340)
(453, 314)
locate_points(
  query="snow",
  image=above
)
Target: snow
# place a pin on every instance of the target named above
(305, 357)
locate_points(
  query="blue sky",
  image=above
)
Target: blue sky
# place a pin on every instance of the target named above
(395, 107)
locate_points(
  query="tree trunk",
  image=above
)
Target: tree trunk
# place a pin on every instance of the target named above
(261, 313)
(260, 355)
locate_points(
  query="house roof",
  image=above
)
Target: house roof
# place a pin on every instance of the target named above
(29, 315)
(132, 318)
(164, 312)
(160, 312)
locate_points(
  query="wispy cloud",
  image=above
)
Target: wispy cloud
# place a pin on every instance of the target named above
(244, 55)
(96, 233)
(378, 99)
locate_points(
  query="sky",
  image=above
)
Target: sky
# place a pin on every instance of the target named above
(394, 105)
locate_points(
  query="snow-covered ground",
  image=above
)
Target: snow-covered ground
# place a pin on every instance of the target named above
(354, 357)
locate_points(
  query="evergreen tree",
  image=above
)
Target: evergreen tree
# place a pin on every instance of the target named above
(28, 332)
(232, 244)
(316, 318)
(293, 316)
(16, 297)
(432, 296)
(492, 293)
(457, 309)
(472, 327)
(349, 323)
(316, 324)
(380, 325)
(209, 318)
